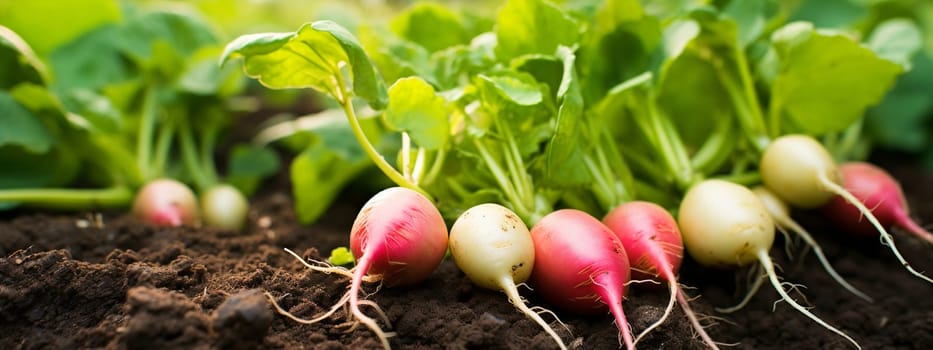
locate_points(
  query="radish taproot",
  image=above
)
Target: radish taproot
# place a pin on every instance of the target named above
(166, 202)
(798, 169)
(655, 249)
(493, 247)
(225, 207)
(725, 225)
(876, 189)
(581, 266)
(398, 238)
(780, 213)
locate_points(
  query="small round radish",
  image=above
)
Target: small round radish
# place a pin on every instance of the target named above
(493, 247)
(166, 202)
(725, 224)
(781, 215)
(878, 190)
(798, 169)
(655, 249)
(581, 266)
(224, 207)
(399, 238)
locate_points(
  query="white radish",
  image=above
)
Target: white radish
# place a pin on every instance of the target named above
(493, 247)
(726, 225)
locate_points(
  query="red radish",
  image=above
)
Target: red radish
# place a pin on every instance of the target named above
(725, 224)
(655, 250)
(493, 247)
(878, 190)
(399, 238)
(798, 169)
(166, 202)
(581, 266)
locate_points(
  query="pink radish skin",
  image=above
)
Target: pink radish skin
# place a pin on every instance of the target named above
(166, 202)
(399, 238)
(581, 266)
(655, 249)
(880, 192)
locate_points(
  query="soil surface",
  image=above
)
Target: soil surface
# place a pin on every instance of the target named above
(103, 280)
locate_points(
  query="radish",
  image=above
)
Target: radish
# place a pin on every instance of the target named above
(655, 250)
(780, 213)
(798, 169)
(224, 207)
(493, 247)
(725, 224)
(876, 189)
(581, 266)
(398, 238)
(166, 202)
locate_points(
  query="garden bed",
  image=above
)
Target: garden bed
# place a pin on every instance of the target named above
(82, 281)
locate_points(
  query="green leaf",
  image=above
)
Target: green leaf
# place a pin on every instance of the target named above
(341, 256)
(49, 24)
(22, 127)
(896, 40)
(751, 17)
(318, 175)
(415, 108)
(515, 89)
(564, 166)
(901, 121)
(18, 63)
(313, 58)
(249, 165)
(23, 169)
(431, 26)
(533, 26)
(826, 81)
(634, 38)
(91, 61)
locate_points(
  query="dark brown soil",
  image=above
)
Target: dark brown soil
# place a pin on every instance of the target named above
(128, 286)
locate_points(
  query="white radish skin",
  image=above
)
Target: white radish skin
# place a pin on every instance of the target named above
(781, 215)
(166, 202)
(725, 224)
(224, 207)
(399, 238)
(655, 250)
(493, 247)
(798, 169)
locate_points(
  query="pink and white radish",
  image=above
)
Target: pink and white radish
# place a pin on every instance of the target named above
(878, 190)
(399, 238)
(166, 202)
(655, 249)
(800, 171)
(581, 266)
(493, 247)
(225, 207)
(726, 225)
(781, 215)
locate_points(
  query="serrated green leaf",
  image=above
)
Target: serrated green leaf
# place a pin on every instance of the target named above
(826, 81)
(312, 57)
(533, 26)
(21, 127)
(414, 107)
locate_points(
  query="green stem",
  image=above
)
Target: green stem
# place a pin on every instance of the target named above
(671, 148)
(208, 141)
(147, 123)
(69, 198)
(615, 163)
(346, 102)
(602, 190)
(162, 147)
(190, 157)
(436, 165)
(503, 180)
(513, 157)
(716, 149)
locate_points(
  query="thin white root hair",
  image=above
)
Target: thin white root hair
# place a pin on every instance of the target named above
(698, 328)
(343, 300)
(540, 310)
(511, 291)
(747, 298)
(382, 314)
(886, 238)
(765, 261)
(818, 251)
(667, 312)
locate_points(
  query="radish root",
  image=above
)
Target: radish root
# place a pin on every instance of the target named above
(508, 286)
